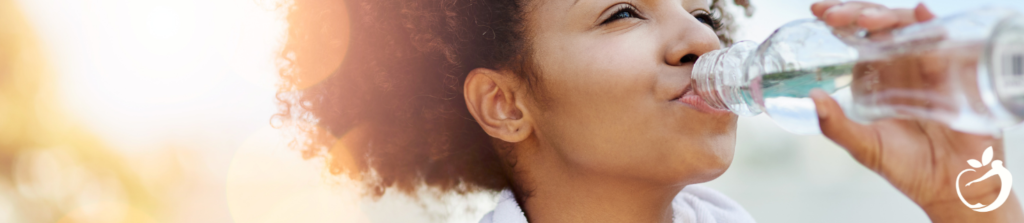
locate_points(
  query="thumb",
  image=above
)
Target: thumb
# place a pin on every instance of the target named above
(859, 140)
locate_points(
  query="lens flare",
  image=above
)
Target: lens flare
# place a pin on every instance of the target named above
(267, 182)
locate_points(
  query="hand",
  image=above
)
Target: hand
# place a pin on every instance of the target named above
(870, 16)
(921, 158)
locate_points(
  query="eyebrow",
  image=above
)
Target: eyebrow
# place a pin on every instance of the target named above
(574, 3)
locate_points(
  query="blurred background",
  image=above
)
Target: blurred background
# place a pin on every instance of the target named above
(159, 111)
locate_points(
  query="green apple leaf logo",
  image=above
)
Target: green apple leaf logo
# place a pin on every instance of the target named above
(997, 170)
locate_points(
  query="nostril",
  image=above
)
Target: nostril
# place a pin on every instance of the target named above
(689, 58)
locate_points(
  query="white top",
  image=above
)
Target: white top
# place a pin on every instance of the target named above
(694, 204)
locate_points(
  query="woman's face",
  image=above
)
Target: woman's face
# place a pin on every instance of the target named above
(613, 74)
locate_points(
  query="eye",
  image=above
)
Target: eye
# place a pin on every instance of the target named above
(622, 11)
(703, 17)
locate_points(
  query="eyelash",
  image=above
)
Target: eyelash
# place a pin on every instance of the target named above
(706, 18)
(623, 11)
(628, 11)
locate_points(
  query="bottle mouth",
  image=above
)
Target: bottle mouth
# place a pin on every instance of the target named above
(718, 78)
(704, 79)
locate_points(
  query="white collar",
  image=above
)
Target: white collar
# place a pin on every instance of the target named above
(694, 204)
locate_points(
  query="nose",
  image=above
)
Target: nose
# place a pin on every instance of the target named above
(689, 38)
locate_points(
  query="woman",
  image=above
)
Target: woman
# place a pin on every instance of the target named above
(580, 109)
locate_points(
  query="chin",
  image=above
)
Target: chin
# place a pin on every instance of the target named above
(697, 166)
(710, 173)
(712, 167)
(705, 152)
(713, 159)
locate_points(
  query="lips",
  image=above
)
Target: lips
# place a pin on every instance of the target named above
(691, 99)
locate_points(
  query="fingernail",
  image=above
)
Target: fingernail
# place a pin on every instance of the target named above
(828, 12)
(870, 12)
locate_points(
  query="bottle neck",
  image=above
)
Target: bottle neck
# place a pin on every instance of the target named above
(705, 77)
(720, 79)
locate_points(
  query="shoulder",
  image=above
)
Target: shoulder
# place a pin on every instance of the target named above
(699, 203)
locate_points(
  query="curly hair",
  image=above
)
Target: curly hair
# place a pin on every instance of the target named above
(375, 87)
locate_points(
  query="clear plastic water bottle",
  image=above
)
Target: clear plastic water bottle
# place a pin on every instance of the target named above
(965, 70)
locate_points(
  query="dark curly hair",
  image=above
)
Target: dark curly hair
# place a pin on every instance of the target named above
(375, 87)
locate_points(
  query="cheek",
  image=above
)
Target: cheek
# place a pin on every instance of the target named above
(603, 112)
(596, 67)
(596, 89)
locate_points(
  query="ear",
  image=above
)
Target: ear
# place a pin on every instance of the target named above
(492, 99)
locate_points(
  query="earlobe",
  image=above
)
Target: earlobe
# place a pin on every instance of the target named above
(493, 101)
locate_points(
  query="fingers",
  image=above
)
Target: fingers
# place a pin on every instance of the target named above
(818, 8)
(905, 17)
(922, 13)
(870, 16)
(874, 19)
(860, 140)
(846, 14)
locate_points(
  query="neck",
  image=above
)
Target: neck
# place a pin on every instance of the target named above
(559, 192)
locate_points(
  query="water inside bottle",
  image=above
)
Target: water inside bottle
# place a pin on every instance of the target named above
(786, 94)
(953, 100)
